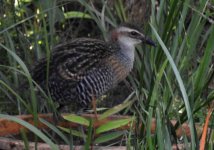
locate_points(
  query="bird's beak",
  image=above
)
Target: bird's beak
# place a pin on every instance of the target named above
(148, 41)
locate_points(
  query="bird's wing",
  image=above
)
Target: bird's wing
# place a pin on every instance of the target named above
(73, 60)
(76, 59)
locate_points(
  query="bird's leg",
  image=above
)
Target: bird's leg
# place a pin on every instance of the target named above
(94, 106)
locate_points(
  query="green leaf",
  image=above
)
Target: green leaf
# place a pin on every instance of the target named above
(77, 119)
(24, 138)
(73, 132)
(108, 137)
(89, 136)
(203, 69)
(115, 109)
(76, 14)
(159, 130)
(113, 125)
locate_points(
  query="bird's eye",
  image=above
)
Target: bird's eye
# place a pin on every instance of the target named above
(133, 33)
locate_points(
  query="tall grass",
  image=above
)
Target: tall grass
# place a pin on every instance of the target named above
(171, 81)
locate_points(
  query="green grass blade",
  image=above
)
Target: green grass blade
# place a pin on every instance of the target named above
(182, 88)
(33, 129)
(115, 109)
(89, 138)
(16, 95)
(57, 131)
(73, 132)
(202, 71)
(160, 134)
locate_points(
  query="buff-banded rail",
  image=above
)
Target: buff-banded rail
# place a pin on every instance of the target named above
(83, 69)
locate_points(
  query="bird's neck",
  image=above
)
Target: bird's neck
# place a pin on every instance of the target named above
(121, 62)
(127, 50)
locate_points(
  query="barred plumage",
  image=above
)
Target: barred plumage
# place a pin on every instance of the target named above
(86, 68)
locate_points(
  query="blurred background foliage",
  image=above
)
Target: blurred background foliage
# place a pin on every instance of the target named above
(172, 81)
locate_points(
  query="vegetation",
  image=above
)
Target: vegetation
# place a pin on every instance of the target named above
(174, 80)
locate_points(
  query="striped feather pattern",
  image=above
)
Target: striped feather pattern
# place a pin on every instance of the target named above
(82, 69)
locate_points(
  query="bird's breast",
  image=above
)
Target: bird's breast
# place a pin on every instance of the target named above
(120, 67)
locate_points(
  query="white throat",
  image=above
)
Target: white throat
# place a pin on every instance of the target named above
(127, 50)
(127, 47)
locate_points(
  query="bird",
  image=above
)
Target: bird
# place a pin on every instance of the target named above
(85, 68)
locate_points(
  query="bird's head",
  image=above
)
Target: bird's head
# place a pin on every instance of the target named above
(130, 35)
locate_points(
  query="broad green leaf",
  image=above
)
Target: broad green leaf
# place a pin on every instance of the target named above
(76, 119)
(113, 125)
(108, 137)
